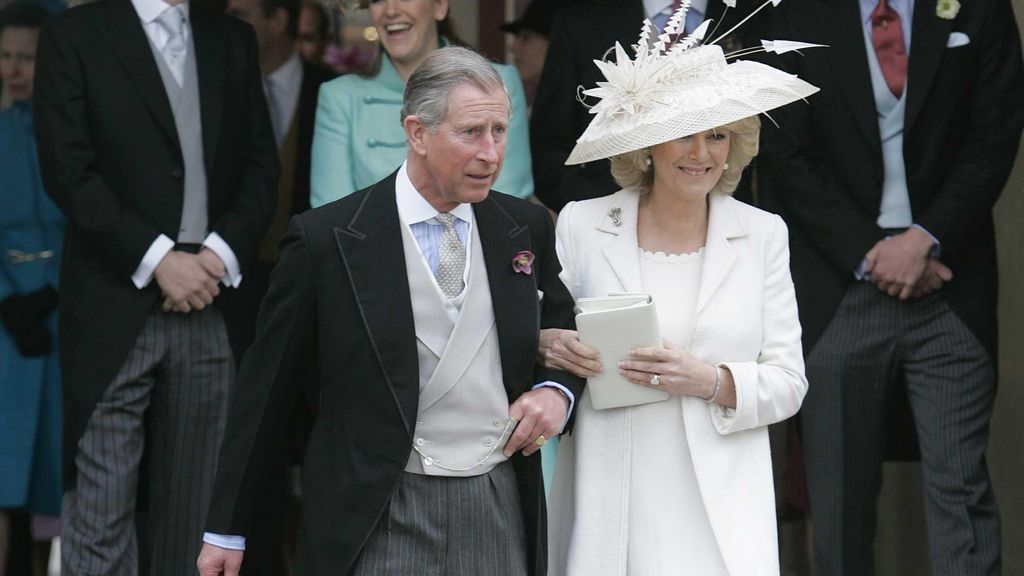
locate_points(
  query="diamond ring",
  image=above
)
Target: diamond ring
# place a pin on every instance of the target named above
(655, 380)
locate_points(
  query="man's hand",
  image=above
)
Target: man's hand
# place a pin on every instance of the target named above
(562, 350)
(212, 263)
(215, 561)
(897, 263)
(185, 282)
(540, 412)
(935, 275)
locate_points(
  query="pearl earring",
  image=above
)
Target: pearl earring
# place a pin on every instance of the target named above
(725, 166)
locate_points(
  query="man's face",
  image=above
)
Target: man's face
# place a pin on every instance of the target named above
(528, 52)
(18, 61)
(312, 41)
(463, 156)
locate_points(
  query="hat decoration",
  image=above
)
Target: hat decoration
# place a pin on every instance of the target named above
(678, 85)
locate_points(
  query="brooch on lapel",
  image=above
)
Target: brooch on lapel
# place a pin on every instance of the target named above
(947, 9)
(522, 262)
(616, 215)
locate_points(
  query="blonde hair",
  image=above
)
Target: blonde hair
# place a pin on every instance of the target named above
(630, 170)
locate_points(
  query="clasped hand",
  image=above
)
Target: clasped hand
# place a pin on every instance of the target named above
(189, 281)
(901, 267)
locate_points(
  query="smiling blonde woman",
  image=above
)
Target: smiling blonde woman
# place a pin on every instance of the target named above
(684, 485)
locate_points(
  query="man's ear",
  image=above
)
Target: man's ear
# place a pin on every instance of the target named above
(415, 133)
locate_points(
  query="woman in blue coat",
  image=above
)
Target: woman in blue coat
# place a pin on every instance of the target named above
(31, 231)
(358, 139)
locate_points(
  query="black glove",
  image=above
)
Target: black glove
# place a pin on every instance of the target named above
(24, 318)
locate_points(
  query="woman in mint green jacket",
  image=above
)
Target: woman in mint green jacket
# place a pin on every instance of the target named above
(359, 139)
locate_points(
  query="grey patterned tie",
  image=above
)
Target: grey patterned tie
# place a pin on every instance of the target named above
(452, 258)
(172, 20)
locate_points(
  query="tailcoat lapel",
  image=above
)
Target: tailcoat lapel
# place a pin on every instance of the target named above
(132, 49)
(210, 66)
(929, 34)
(841, 27)
(371, 248)
(513, 294)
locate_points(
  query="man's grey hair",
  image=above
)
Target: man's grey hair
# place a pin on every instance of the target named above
(428, 90)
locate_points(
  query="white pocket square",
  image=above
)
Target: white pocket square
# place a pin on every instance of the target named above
(957, 39)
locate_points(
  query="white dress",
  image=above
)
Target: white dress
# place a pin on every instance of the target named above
(669, 531)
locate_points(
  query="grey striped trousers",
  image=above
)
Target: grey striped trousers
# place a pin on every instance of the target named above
(169, 399)
(873, 344)
(437, 526)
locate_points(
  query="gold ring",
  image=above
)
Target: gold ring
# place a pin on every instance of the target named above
(541, 440)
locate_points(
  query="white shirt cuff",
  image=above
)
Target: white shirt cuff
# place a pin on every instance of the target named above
(214, 242)
(225, 541)
(150, 260)
(568, 394)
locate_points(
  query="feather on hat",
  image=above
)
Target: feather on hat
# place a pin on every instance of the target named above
(675, 89)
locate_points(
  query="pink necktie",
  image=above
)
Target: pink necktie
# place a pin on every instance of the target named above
(887, 38)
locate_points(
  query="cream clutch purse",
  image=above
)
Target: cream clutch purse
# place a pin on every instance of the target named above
(614, 324)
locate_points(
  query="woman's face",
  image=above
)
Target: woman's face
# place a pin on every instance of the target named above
(408, 28)
(18, 61)
(690, 166)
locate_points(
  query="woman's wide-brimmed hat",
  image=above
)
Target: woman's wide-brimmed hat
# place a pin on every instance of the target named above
(675, 89)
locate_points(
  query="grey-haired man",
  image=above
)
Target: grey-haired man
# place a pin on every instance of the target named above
(419, 299)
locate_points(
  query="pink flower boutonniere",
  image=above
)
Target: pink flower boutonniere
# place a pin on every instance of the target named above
(522, 262)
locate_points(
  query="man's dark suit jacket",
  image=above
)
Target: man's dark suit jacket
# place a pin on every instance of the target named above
(962, 129)
(312, 78)
(339, 299)
(580, 34)
(111, 160)
(253, 290)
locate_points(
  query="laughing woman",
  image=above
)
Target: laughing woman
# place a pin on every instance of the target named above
(358, 139)
(681, 486)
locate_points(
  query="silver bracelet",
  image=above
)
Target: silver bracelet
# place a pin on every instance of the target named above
(718, 385)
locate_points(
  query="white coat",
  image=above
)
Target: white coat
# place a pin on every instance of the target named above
(746, 319)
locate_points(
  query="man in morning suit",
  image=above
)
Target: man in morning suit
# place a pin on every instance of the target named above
(420, 298)
(155, 141)
(581, 33)
(887, 181)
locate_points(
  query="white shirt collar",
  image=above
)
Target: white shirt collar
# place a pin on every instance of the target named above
(288, 74)
(654, 7)
(148, 10)
(413, 208)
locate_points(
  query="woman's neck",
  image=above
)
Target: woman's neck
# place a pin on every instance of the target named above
(670, 224)
(405, 69)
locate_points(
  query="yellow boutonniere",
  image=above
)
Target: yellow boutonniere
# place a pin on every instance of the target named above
(947, 9)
